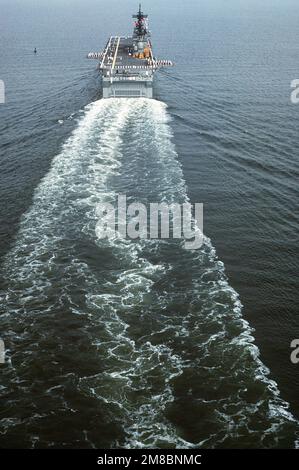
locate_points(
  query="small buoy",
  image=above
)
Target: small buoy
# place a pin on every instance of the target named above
(35, 50)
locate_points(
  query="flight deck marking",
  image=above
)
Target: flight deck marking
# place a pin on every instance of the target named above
(116, 52)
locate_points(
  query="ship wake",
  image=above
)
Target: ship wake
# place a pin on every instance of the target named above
(126, 343)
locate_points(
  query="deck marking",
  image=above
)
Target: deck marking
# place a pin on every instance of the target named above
(115, 55)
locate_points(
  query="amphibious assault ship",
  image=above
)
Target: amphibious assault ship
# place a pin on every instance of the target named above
(127, 64)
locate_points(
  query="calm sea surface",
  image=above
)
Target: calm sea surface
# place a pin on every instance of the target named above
(117, 343)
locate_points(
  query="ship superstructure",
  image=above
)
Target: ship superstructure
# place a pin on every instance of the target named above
(127, 64)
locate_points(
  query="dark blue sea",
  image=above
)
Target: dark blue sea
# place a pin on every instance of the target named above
(142, 343)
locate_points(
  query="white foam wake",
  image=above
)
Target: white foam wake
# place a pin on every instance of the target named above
(143, 331)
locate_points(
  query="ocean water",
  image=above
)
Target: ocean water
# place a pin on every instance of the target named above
(121, 343)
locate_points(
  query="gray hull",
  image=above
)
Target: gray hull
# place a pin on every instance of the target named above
(127, 88)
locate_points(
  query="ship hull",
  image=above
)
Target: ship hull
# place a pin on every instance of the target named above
(127, 88)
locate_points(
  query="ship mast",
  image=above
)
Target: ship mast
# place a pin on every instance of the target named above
(140, 30)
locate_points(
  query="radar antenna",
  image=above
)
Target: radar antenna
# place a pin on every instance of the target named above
(140, 29)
